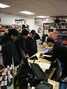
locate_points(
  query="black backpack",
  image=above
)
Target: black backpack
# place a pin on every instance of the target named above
(26, 74)
(44, 85)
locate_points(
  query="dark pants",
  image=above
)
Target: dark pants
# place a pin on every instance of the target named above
(64, 72)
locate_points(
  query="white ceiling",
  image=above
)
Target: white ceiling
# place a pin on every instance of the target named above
(39, 7)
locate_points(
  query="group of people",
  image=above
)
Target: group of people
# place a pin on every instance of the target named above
(18, 46)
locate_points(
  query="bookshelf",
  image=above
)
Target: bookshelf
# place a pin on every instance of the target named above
(61, 27)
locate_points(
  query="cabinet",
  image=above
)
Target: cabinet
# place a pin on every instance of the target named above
(48, 27)
(6, 28)
(61, 28)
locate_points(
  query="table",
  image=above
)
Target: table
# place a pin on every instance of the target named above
(55, 84)
(40, 59)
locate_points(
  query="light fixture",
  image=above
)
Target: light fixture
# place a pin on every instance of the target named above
(27, 12)
(4, 5)
(42, 16)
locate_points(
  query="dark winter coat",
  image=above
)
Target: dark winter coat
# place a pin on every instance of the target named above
(59, 51)
(9, 51)
(21, 47)
(31, 46)
(3, 39)
(37, 36)
(21, 42)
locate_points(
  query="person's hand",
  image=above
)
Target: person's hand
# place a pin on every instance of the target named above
(41, 54)
(41, 57)
(27, 56)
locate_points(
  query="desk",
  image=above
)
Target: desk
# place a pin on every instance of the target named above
(40, 59)
(55, 83)
(39, 53)
(43, 61)
(48, 62)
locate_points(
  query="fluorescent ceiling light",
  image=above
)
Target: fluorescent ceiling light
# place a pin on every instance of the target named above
(42, 16)
(27, 12)
(4, 5)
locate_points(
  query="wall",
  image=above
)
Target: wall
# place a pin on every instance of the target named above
(48, 20)
(39, 23)
(9, 19)
(31, 23)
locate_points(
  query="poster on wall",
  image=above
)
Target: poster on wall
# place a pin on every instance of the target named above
(17, 21)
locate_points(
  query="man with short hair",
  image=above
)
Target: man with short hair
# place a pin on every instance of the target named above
(9, 50)
(21, 43)
(31, 43)
(59, 51)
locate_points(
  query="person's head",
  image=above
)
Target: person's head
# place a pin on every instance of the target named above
(32, 33)
(23, 26)
(50, 41)
(13, 33)
(24, 33)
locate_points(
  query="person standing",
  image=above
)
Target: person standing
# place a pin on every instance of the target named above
(9, 50)
(31, 43)
(21, 44)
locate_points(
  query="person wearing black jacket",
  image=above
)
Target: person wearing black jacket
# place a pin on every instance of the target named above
(3, 39)
(31, 43)
(9, 50)
(21, 43)
(37, 36)
(59, 51)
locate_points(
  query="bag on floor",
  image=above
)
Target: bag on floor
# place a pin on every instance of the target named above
(44, 85)
(25, 74)
(38, 73)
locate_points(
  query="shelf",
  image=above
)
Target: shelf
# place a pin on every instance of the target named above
(64, 43)
(61, 28)
(48, 29)
(2, 31)
(62, 35)
(62, 22)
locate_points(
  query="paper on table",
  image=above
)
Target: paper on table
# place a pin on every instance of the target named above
(43, 55)
(28, 60)
(44, 65)
(47, 55)
(38, 55)
(52, 84)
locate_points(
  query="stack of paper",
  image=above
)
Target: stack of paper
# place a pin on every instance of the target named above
(44, 65)
(38, 55)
